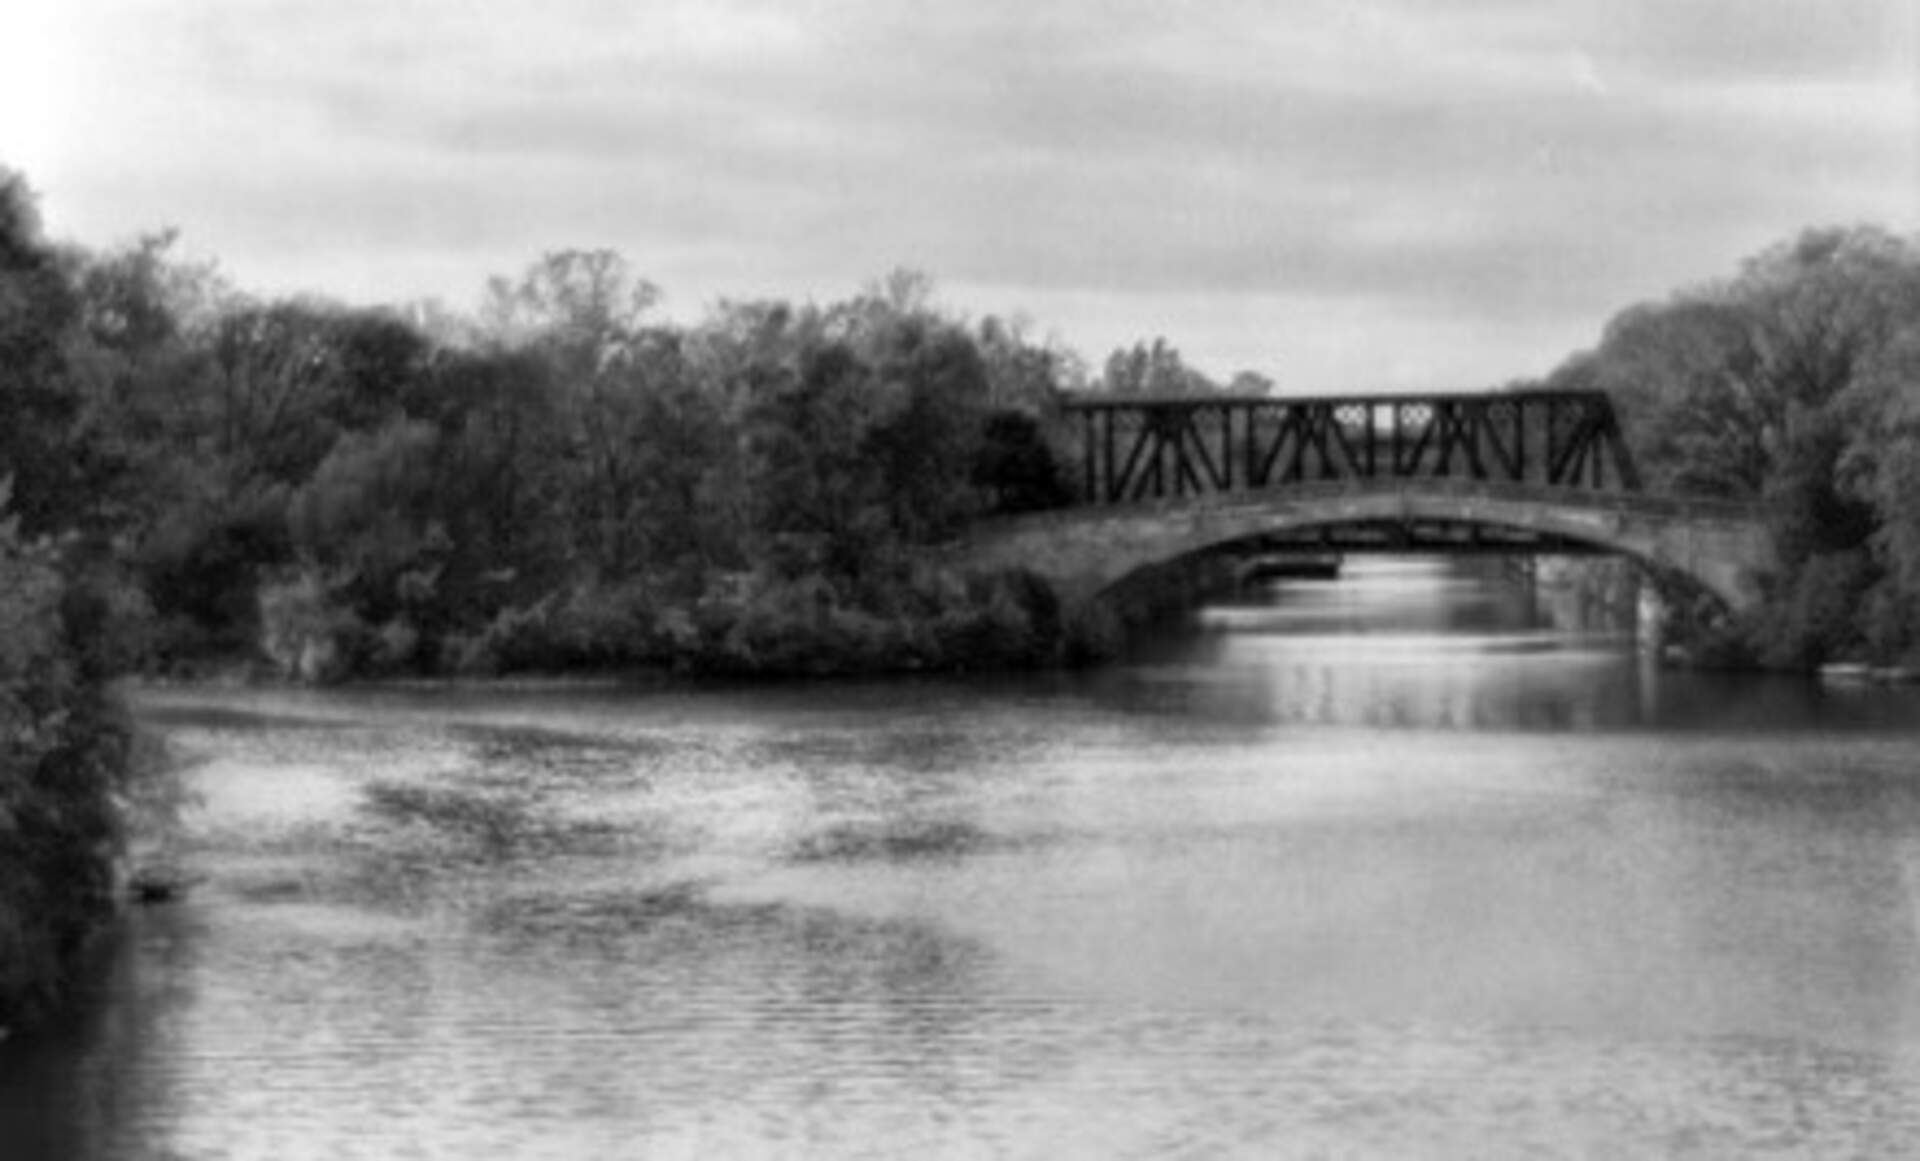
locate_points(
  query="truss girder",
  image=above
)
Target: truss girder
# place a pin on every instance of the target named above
(1167, 448)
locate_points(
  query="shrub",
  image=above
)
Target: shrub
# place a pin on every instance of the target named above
(1813, 621)
(65, 747)
(201, 567)
(1015, 467)
(591, 626)
(1891, 624)
(306, 632)
(929, 619)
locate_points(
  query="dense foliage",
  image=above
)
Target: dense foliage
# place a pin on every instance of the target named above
(561, 480)
(64, 745)
(1795, 383)
(65, 760)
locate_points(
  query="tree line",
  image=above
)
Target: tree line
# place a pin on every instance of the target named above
(558, 480)
(1794, 383)
(563, 479)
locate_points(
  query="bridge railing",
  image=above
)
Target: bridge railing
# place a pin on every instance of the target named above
(1138, 449)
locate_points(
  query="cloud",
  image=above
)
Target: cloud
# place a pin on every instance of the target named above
(1459, 186)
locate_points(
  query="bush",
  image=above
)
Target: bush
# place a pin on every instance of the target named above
(65, 747)
(778, 627)
(1890, 622)
(306, 633)
(587, 627)
(201, 567)
(1813, 621)
(1015, 467)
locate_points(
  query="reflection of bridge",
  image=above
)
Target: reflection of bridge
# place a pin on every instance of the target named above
(1522, 472)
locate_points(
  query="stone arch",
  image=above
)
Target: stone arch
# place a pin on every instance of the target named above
(1154, 580)
(1086, 551)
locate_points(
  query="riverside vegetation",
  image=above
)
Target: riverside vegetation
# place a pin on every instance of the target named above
(559, 483)
(199, 479)
(1796, 384)
(76, 779)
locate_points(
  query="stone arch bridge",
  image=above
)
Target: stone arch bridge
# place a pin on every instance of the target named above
(1518, 472)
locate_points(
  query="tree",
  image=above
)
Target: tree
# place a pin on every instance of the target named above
(141, 358)
(499, 483)
(1719, 381)
(380, 359)
(39, 409)
(1685, 377)
(644, 445)
(582, 308)
(276, 380)
(1022, 374)
(639, 436)
(1016, 470)
(1790, 384)
(813, 486)
(1154, 369)
(367, 520)
(64, 758)
(1249, 383)
(901, 292)
(927, 433)
(1881, 468)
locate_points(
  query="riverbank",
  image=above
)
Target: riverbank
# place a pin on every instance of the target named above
(739, 626)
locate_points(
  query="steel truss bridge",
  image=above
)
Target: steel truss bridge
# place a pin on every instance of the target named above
(1528, 471)
(1156, 448)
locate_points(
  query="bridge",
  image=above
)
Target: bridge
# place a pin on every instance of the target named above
(1516, 472)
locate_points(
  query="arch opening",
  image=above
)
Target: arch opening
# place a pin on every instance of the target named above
(1155, 586)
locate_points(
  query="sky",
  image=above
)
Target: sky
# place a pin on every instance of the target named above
(1341, 195)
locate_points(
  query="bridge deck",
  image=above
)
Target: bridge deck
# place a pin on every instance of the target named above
(1319, 494)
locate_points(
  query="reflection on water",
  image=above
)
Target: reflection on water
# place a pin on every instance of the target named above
(1380, 868)
(1413, 644)
(1427, 644)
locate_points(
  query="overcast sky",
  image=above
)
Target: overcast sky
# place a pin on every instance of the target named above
(1342, 195)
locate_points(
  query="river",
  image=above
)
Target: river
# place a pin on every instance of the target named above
(1377, 868)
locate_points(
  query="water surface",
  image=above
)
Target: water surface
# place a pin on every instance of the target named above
(1387, 868)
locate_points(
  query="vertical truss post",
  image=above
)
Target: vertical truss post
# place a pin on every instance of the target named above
(1089, 465)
